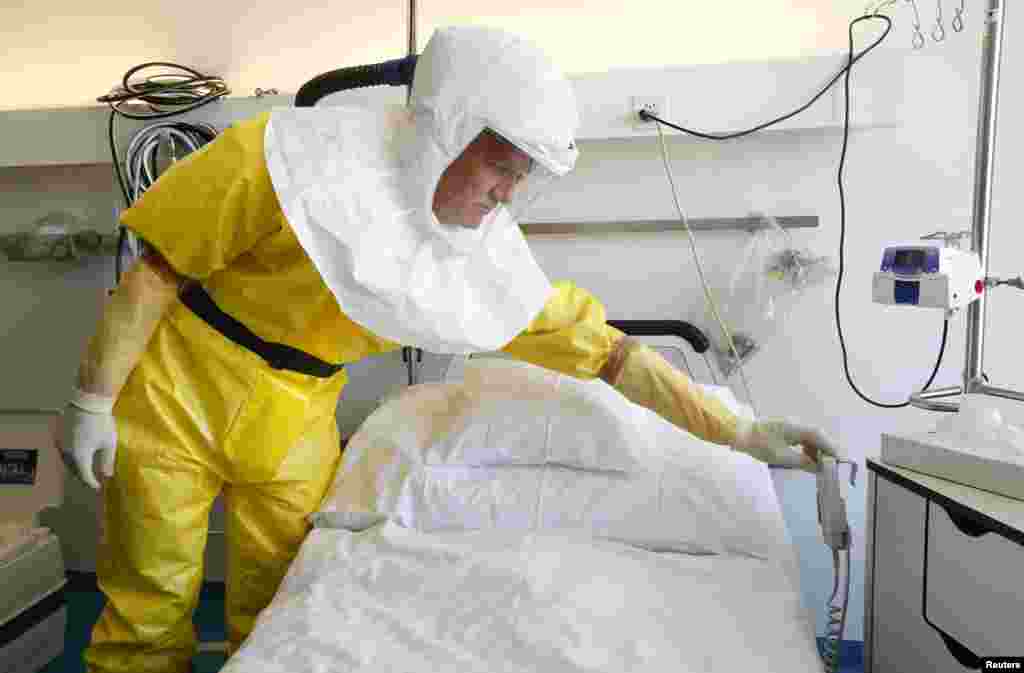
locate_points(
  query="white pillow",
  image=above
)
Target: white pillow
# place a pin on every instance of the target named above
(408, 463)
(674, 506)
(514, 413)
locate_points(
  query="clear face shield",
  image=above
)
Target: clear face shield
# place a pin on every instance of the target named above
(528, 190)
(519, 189)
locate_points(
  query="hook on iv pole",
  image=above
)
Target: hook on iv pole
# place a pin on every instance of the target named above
(939, 34)
(918, 35)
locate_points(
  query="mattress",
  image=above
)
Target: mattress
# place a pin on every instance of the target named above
(392, 598)
(430, 586)
(395, 599)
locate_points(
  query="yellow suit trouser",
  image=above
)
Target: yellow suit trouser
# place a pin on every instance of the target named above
(198, 417)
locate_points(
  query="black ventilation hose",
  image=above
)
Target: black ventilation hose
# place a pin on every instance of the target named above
(398, 72)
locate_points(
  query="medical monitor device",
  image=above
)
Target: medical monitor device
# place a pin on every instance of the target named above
(929, 276)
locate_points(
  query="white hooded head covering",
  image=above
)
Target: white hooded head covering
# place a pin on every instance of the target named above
(357, 186)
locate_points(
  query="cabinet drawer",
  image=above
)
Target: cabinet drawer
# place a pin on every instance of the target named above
(901, 641)
(973, 590)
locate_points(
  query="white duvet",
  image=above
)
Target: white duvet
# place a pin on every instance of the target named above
(525, 521)
(517, 447)
(392, 599)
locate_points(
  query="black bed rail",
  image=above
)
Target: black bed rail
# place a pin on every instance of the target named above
(680, 328)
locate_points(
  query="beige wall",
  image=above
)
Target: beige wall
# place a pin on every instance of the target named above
(62, 53)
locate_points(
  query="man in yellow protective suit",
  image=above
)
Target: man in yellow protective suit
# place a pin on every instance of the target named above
(296, 242)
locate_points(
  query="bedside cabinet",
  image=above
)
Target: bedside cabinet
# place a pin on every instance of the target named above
(944, 575)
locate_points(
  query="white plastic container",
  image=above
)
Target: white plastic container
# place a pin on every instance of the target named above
(990, 468)
(33, 612)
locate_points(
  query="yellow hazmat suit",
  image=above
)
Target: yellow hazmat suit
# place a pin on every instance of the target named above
(200, 415)
(180, 413)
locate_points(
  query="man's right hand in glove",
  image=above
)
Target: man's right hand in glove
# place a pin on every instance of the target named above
(87, 428)
(776, 442)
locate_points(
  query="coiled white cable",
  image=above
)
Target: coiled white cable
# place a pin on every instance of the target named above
(156, 97)
(143, 154)
(837, 607)
(143, 151)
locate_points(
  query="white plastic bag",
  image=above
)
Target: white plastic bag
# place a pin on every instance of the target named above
(980, 423)
(770, 274)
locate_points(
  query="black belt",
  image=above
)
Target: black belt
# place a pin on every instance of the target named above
(278, 356)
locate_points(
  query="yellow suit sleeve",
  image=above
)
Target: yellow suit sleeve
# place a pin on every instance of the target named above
(210, 206)
(571, 336)
(648, 379)
(129, 319)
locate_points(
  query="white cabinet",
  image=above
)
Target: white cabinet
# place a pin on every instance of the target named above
(943, 590)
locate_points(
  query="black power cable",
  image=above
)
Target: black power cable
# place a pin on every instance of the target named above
(851, 60)
(842, 237)
(643, 114)
(166, 95)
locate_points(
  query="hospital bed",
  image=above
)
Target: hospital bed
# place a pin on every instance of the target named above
(508, 518)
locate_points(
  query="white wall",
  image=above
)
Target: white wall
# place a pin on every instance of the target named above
(271, 45)
(901, 183)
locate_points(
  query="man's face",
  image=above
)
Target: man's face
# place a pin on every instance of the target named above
(485, 174)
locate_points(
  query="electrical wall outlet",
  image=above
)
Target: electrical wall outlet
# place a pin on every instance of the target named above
(655, 105)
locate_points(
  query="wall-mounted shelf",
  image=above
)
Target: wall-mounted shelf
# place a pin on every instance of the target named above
(724, 98)
(79, 135)
(34, 247)
(658, 225)
(714, 98)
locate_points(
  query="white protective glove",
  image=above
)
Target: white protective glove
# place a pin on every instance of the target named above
(87, 427)
(773, 442)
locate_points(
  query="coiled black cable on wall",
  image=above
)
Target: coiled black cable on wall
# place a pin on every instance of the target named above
(845, 71)
(165, 95)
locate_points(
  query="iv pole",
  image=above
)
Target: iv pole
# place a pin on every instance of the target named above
(973, 380)
(412, 356)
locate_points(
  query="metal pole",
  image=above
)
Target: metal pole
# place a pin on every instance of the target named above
(414, 355)
(584, 227)
(984, 171)
(984, 167)
(412, 43)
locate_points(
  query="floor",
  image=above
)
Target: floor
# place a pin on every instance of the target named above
(84, 602)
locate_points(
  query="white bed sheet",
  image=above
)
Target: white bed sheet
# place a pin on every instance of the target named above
(392, 599)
